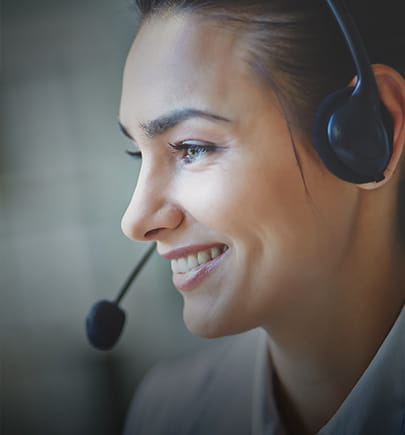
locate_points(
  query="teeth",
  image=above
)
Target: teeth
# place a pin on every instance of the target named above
(203, 257)
(185, 264)
(182, 265)
(215, 252)
(192, 261)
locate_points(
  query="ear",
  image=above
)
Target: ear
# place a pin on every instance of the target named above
(391, 86)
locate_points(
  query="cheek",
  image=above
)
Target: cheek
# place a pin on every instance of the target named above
(217, 197)
(242, 196)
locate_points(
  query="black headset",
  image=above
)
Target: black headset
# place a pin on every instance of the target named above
(352, 130)
(352, 133)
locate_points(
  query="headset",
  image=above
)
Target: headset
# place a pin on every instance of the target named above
(352, 134)
(352, 130)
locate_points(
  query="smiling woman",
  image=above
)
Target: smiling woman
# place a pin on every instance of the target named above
(266, 232)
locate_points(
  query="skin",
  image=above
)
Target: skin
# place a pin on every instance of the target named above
(302, 267)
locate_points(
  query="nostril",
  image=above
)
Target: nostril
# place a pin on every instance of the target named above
(152, 233)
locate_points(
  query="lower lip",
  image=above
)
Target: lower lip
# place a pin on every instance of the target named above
(190, 280)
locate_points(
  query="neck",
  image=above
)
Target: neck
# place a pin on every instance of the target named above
(332, 334)
(312, 383)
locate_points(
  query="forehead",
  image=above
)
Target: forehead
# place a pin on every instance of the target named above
(183, 60)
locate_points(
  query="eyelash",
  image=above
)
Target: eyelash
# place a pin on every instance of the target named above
(134, 154)
(186, 147)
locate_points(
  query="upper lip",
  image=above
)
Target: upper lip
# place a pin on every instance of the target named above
(187, 250)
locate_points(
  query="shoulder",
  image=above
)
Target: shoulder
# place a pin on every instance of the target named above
(207, 392)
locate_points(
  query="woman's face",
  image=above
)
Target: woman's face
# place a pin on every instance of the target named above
(219, 187)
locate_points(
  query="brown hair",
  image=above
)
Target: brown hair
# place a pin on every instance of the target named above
(297, 48)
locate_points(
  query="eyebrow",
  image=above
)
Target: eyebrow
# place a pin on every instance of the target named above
(163, 123)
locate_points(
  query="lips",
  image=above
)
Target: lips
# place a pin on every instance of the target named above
(193, 263)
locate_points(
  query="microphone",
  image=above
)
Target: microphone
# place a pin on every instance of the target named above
(106, 319)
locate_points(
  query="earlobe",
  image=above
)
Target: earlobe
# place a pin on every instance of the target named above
(391, 86)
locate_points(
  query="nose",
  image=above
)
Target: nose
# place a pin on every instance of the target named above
(151, 213)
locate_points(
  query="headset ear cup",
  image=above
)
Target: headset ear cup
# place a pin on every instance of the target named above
(321, 139)
(353, 136)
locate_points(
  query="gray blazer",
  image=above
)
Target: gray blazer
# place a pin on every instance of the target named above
(227, 390)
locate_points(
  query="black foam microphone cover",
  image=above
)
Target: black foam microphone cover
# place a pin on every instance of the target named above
(106, 319)
(104, 324)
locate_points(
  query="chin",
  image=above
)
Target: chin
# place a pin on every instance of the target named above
(205, 324)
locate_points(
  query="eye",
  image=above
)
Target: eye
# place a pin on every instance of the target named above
(191, 150)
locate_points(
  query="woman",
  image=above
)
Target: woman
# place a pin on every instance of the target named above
(219, 97)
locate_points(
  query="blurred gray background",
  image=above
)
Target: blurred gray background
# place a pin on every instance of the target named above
(64, 184)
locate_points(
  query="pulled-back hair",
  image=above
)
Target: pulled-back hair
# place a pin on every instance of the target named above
(296, 48)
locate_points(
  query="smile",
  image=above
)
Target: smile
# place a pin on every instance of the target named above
(187, 263)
